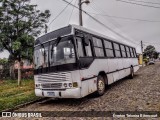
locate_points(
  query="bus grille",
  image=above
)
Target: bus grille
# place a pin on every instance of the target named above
(54, 77)
(53, 85)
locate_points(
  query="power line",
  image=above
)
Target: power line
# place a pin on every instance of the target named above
(60, 12)
(145, 2)
(124, 18)
(153, 43)
(94, 7)
(138, 44)
(111, 21)
(101, 23)
(138, 4)
(72, 12)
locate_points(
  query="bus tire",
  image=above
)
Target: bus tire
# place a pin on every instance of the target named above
(100, 85)
(132, 73)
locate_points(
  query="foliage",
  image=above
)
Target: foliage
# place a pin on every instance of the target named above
(150, 52)
(3, 61)
(11, 95)
(20, 22)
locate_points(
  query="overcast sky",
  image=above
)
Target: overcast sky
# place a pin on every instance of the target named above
(135, 30)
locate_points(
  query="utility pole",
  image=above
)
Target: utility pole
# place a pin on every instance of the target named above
(142, 52)
(80, 13)
(80, 10)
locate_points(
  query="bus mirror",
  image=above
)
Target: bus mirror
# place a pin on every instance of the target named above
(86, 42)
(58, 40)
(86, 39)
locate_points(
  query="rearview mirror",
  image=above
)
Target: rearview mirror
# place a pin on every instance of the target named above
(86, 38)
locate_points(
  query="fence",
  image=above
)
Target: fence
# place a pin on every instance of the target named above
(25, 73)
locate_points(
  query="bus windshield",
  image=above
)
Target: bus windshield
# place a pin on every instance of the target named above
(57, 53)
(41, 57)
(62, 52)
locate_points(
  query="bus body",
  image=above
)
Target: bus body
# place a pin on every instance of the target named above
(73, 62)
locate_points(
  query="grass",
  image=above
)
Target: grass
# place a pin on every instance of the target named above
(12, 95)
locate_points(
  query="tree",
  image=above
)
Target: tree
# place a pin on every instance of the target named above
(150, 51)
(20, 22)
(3, 61)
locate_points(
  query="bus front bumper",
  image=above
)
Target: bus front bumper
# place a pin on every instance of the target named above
(67, 93)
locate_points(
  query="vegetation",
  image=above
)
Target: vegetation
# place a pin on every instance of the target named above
(20, 22)
(12, 95)
(3, 61)
(150, 52)
(4, 68)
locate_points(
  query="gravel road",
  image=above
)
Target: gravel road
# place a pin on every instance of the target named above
(139, 94)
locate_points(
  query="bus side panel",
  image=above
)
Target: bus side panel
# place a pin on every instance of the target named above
(110, 78)
(126, 63)
(97, 66)
(120, 64)
(121, 67)
(76, 77)
(88, 87)
(122, 74)
(92, 85)
(116, 76)
(84, 88)
(136, 68)
(112, 65)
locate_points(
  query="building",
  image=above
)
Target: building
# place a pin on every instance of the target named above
(26, 65)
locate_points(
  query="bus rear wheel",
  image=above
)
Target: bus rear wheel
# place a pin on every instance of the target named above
(100, 85)
(132, 73)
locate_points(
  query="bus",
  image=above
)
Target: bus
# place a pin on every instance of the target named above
(73, 62)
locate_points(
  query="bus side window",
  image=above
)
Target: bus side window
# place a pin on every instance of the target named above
(123, 51)
(98, 47)
(135, 54)
(128, 52)
(109, 49)
(117, 50)
(132, 54)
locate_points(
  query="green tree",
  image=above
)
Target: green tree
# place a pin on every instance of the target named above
(3, 61)
(20, 22)
(150, 51)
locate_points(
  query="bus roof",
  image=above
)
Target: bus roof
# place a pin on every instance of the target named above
(69, 30)
(54, 34)
(96, 33)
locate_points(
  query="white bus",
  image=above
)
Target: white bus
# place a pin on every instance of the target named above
(73, 62)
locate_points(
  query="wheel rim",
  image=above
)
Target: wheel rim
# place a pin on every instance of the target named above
(101, 85)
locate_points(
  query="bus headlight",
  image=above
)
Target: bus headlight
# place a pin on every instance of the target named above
(70, 85)
(37, 85)
(65, 84)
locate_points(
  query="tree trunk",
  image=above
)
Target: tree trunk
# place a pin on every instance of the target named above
(19, 73)
(12, 73)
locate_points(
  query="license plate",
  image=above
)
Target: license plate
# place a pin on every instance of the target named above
(51, 93)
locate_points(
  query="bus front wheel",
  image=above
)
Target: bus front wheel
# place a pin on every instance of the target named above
(100, 85)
